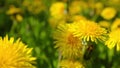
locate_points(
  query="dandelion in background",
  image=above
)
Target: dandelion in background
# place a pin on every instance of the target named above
(15, 13)
(89, 31)
(108, 13)
(114, 40)
(116, 24)
(57, 10)
(13, 10)
(71, 64)
(69, 45)
(15, 54)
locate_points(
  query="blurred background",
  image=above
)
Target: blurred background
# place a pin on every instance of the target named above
(34, 21)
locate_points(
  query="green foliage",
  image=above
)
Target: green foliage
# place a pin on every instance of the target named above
(37, 34)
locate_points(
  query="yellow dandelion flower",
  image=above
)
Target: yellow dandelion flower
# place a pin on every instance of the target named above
(114, 40)
(108, 13)
(116, 24)
(15, 54)
(19, 17)
(104, 24)
(71, 64)
(67, 44)
(89, 31)
(57, 10)
(12, 10)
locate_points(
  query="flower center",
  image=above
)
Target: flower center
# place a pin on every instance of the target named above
(72, 40)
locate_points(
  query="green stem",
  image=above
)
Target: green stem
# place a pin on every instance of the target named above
(13, 26)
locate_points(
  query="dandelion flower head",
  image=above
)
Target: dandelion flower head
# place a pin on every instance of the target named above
(15, 54)
(108, 13)
(89, 31)
(57, 10)
(12, 10)
(114, 40)
(69, 45)
(116, 24)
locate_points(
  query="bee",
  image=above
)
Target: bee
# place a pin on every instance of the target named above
(88, 52)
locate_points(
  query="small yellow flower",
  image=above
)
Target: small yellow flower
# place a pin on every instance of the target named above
(67, 44)
(114, 40)
(12, 10)
(108, 13)
(15, 13)
(116, 24)
(57, 10)
(89, 31)
(15, 54)
(104, 24)
(19, 17)
(71, 64)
